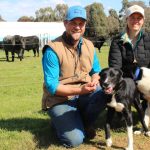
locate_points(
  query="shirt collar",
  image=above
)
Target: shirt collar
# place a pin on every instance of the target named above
(69, 42)
(125, 38)
(79, 46)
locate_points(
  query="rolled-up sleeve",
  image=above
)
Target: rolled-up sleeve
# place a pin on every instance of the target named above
(50, 64)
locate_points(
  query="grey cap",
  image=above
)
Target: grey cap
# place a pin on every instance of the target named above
(134, 9)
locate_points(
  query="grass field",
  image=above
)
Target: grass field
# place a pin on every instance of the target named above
(22, 124)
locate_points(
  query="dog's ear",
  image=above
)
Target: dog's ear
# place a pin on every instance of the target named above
(119, 72)
(101, 72)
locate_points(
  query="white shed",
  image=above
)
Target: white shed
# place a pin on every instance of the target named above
(44, 30)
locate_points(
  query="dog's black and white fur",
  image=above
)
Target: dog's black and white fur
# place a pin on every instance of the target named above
(142, 78)
(122, 93)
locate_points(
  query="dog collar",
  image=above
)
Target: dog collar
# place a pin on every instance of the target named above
(137, 71)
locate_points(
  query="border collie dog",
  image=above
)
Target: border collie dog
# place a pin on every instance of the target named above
(142, 78)
(121, 94)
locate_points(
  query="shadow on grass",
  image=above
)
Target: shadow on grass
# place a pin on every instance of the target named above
(45, 135)
(118, 122)
(10, 58)
(40, 128)
(102, 146)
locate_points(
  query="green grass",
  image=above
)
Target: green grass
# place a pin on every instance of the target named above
(103, 56)
(21, 121)
(22, 124)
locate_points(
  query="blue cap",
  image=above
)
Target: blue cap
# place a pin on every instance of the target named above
(76, 12)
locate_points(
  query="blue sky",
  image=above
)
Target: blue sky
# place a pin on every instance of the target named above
(11, 10)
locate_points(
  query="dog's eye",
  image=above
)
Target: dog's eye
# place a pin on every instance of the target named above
(111, 74)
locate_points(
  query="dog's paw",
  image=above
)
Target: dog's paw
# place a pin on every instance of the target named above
(109, 142)
(119, 107)
(138, 132)
(147, 133)
(129, 148)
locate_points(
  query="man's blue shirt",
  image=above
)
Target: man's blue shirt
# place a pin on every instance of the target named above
(51, 69)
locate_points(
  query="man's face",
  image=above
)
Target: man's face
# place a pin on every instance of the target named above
(135, 22)
(75, 28)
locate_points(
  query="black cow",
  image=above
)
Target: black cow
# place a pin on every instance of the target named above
(1, 44)
(13, 44)
(98, 42)
(31, 43)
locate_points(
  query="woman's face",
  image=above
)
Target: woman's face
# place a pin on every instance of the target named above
(135, 22)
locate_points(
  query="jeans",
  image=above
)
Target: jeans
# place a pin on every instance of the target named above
(70, 117)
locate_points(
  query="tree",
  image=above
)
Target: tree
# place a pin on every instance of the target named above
(97, 21)
(60, 12)
(140, 3)
(113, 23)
(44, 15)
(125, 4)
(26, 19)
(147, 19)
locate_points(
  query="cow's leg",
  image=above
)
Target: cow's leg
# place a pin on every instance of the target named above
(21, 54)
(34, 52)
(7, 57)
(13, 55)
(20, 57)
(37, 52)
(110, 114)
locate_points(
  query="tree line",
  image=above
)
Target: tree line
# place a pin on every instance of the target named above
(98, 24)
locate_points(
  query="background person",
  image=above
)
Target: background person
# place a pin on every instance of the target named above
(72, 94)
(131, 46)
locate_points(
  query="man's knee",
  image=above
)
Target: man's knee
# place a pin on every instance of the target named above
(72, 138)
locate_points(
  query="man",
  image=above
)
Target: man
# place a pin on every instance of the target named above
(72, 94)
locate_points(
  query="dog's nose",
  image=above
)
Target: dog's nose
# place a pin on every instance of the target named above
(105, 84)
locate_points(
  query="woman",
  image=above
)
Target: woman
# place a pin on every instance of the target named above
(133, 46)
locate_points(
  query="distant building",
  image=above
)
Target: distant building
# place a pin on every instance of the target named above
(44, 30)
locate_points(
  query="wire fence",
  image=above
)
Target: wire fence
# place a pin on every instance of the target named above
(21, 44)
(41, 44)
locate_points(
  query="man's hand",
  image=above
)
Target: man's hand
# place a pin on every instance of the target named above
(88, 88)
(65, 90)
(95, 79)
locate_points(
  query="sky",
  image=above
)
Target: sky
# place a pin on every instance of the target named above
(12, 10)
